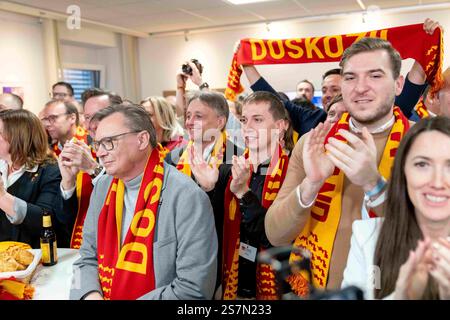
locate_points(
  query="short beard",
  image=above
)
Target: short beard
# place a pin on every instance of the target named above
(380, 113)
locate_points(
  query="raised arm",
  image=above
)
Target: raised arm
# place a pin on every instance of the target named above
(308, 169)
(415, 82)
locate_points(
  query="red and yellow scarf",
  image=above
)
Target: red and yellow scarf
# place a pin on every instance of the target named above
(421, 110)
(265, 278)
(428, 51)
(83, 189)
(172, 144)
(14, 289)
(219, 148)
(320, 231)
(126, 271)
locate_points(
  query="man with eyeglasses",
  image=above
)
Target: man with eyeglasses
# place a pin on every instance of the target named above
(60, 119)
(62, 91)
(85, 168)
(140, 241)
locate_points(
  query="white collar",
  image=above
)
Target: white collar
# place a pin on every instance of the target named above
(10, 179)
(382, 128)
(208, 150)
(4, 167)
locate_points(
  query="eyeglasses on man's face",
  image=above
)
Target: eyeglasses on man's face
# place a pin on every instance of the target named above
(52, 118)
(59, 95)
(107, 143)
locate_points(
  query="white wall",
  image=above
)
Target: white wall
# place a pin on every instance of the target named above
(161, 57)
(21, 58)
(89, 49)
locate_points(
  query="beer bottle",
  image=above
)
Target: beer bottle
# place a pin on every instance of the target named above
(48, 241)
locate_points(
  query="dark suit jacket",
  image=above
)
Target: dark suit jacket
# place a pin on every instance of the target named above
(40, 190)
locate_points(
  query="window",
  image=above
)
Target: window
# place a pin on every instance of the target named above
(84, 76)
(81, 80)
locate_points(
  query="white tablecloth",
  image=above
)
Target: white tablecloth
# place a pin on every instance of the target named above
(53, 283)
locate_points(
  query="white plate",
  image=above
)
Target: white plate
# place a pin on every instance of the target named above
(28, 271)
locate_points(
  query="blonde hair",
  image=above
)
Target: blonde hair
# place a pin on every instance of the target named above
(165, 116)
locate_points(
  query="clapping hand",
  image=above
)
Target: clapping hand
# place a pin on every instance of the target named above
(440, 267)
(413, 274)
(241, 175)
(205, 174)
(357, 158)
(318, 167)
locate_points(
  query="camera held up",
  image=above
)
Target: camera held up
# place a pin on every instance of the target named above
(186, 68)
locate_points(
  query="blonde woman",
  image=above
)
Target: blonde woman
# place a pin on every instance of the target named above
(168, 131)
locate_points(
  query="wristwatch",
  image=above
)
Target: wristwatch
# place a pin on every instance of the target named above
(203, 86)
(96, 171)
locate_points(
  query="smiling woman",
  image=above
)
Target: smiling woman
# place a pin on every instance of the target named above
(411, 254)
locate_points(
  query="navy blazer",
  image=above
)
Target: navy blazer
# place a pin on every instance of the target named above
(40, 190)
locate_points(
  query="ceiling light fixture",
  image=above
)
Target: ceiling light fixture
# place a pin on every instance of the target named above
(361, 4)
(372, 14)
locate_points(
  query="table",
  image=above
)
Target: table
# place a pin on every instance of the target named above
(53, 283)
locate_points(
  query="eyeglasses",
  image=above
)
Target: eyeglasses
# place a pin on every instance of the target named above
(52, 118)
(108, 142)
(57, 95)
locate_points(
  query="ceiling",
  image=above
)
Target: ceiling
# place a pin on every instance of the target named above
(156, 16)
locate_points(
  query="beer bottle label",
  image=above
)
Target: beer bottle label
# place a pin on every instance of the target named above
(47, 221)
(45, 248)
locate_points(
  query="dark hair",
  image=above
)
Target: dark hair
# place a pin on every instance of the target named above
(238, 103)
(374, 44)
(337, 98)
(400, 231)
(308, 82)
(113, 97)
(64, 84)
(276, 109)
(70, 108)
(28, 141)
(283, 96)
(17, 100)
(136, 118)
(213, 100)
(304, 103)
(330, 72)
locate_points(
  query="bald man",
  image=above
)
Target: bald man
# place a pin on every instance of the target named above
(10, 101)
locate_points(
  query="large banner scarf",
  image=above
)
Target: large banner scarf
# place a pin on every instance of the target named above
(411, 42)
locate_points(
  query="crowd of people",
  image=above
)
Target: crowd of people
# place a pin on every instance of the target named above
(176, 199)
